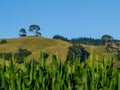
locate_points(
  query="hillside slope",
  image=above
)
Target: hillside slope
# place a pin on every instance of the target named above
(36, 45)
(50, 46)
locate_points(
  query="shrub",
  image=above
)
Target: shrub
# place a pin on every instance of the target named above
(113, 47)
(21, 54)
(3, 42)
(6, 56)
(77, 52)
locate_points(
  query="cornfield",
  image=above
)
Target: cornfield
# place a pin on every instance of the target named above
(58, 76)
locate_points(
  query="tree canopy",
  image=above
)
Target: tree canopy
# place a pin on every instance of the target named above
(106, 39)
(77, 52)
(35, 28)
(61, 38)
(22, 32)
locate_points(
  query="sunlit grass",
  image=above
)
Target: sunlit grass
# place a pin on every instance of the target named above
(36, 45)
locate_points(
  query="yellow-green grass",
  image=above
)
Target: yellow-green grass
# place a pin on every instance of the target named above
(99, 54)
(51, 46)
(37, 45)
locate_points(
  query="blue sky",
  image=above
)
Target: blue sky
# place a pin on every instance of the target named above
(69, 18)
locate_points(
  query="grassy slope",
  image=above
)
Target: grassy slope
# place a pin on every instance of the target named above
(95, 50)
(50, 46)
(36, 45)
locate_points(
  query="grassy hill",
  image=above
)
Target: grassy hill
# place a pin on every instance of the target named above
(36, 45)
(50, 46)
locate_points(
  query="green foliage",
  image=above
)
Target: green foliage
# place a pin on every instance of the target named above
(45, 55)
(61, 38)
(22, 32)
(77, 52)
(113, 47)
(78, 76)
(87, 41)
(106, 39)
(3, 42)
(6, 56)
(21, 54)
(118, 55)
(35, 28)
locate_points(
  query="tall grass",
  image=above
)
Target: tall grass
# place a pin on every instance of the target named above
(57, 76)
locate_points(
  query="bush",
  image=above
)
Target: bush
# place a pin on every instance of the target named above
(3, 42)
(21, 54)
(6, 56)
(113, 47)
(77, 52)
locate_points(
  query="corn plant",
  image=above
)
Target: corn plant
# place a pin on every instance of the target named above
(96, 75)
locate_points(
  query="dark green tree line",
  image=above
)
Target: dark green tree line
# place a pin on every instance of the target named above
(61, 38)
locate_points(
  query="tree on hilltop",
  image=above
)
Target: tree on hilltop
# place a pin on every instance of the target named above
(35, 28)
(106, 38)
(61, 38)
(22, 32)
